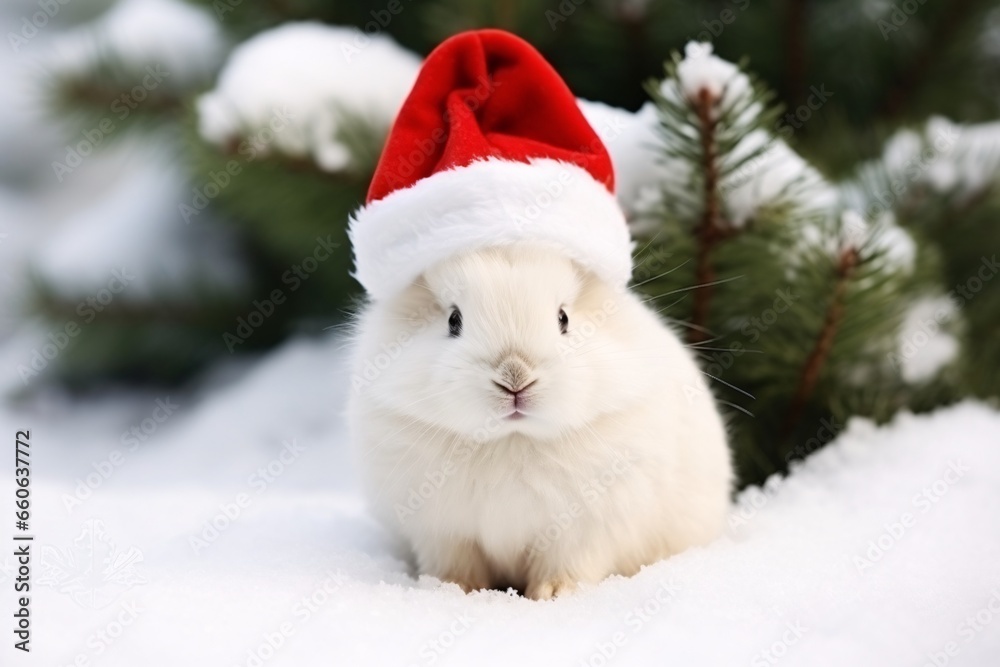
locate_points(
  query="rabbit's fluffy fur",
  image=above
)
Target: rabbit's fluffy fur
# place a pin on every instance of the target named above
(616, 456)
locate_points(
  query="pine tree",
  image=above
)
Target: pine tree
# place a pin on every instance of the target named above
(815, 229)
(793, 300)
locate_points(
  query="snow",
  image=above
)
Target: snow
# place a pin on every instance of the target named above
(776, 175)
(645, 174)
(925, 345)
(990, 36)
(898, 247)
(223, 525)
(900, 150)
(882, 548)
(967, 157)
(949, 158)
(136, 227)
(24, 134)
(15, 235)
(183, 39)
(702, 71)
(316, 74)
(882, 236)
(641, 168)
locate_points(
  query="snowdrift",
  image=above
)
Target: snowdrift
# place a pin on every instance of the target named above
(225, 528)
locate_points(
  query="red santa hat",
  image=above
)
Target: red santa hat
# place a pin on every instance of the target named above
(489, 148)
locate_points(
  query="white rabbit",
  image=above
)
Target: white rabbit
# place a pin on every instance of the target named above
(520, 423)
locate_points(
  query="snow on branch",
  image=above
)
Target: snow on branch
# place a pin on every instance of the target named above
(704, 79)
(880, 238)
(133, 229)
(320, 77)
(955, 163)
(182, 40)
(653, 148)
(723, 168)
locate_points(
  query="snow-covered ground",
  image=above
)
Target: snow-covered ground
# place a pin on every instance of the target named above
(224, 526)
(232, 532)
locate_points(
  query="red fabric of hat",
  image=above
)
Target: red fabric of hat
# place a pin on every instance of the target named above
(490, 148)
(486, 94)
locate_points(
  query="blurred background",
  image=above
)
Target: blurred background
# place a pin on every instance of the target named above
(175, 180)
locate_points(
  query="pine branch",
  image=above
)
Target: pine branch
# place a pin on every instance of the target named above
(282, 8)
(795, 50)
(104, 88)
(362, 138)
(164, 311)
(100, 95)
(300, 165)
(711, 229)
(816, 361)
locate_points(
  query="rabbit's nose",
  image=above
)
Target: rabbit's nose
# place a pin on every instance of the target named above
(513, 391)
(514, 375)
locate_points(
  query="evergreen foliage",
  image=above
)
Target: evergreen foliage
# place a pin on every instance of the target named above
(790, 276)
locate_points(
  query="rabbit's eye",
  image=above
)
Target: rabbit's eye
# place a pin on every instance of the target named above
(455, 323)
(563, 321)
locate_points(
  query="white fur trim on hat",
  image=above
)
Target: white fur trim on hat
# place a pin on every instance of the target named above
(486, 203)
